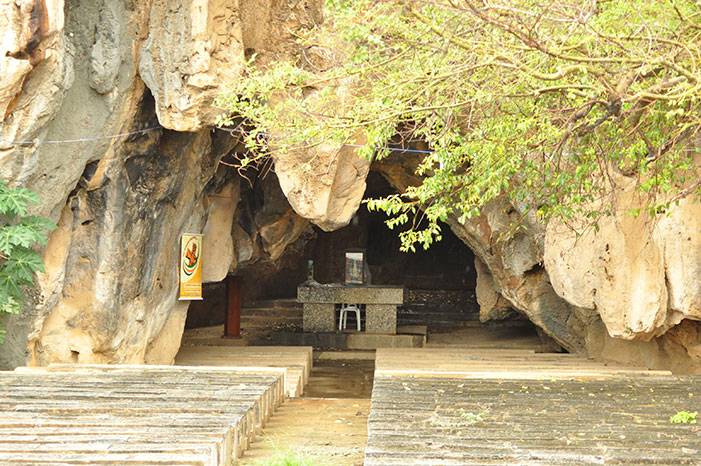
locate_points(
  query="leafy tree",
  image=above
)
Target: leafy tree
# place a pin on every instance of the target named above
(20, 233)
(553, 104)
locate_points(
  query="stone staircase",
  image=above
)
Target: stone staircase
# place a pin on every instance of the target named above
(438, 309)
(278, 314)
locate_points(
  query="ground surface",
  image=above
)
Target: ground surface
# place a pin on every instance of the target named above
(514, 335)
(325, 432)
(327, 427)
(341, 379)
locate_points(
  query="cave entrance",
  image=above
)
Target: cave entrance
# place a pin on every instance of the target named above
(439, 282)
(440, 304)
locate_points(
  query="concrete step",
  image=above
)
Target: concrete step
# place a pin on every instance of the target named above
(296, 361)
(338, 340)
(127, 414)
(452, 406)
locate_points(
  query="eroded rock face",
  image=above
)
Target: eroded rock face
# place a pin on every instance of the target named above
(493, 306)
(267, 224)
(218, 242)
(641, 274)
(324, 185)
(58, 101)
(115, 288)
(31, 35)
(68, 85)
(514, 259)
(194, 48)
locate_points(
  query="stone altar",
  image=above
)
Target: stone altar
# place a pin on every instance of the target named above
(319, 313)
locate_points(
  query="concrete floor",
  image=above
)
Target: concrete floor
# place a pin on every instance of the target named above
(341, 379)
(508, 335)
(314, 432)
(327, 427)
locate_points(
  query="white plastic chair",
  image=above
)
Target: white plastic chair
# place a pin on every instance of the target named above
(343, 317)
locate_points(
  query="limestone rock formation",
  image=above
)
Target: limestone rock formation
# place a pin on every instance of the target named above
(72, 82)
(325, 184)
(114, 292)
(493, 306)
(267, 225)
(195, 48)
(639, 273)
(218, 242)
(192, 48)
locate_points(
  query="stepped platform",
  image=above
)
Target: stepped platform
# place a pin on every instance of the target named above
(494, 363)
(145, 415)
(438, 308)
(469, 406)
(295, 360)
(274, 313)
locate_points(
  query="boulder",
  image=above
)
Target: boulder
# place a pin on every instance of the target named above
(325, 184)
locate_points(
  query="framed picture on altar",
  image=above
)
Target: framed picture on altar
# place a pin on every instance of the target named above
(355, 267)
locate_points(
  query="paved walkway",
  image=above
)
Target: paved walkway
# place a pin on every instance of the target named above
(322, 432)
(327, 427)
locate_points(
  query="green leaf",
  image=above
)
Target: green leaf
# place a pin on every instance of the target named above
(16, 200)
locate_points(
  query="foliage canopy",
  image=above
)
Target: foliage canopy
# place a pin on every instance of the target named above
(550, 103)
(19, 234)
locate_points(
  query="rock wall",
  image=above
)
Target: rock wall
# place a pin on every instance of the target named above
(639, 274)
(72, 76)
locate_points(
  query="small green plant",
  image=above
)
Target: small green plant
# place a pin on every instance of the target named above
(20, 234)
(684, 417)
(472, 418)
(287, 458)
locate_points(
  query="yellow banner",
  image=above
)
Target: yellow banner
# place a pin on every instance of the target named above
(191, 267)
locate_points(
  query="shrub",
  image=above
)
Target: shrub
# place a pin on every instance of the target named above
(20, 234)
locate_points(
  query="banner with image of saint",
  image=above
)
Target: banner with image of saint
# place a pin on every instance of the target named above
(190, 267)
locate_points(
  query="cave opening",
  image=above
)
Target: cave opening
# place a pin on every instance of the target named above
(440, 283)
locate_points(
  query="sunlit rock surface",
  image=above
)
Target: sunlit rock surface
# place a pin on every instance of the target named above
(492, 305)
(195, 48)
(325, 184)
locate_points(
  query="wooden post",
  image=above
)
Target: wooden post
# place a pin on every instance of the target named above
(232, 324)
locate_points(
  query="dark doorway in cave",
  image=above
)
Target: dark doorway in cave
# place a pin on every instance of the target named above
(440, 281)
